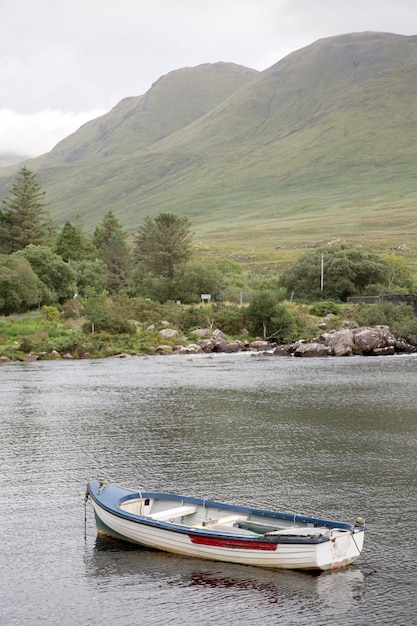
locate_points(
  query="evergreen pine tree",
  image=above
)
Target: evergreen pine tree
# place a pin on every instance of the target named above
(110, 240)
(24, 219)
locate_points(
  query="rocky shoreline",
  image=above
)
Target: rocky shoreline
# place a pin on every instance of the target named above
(351, 340)
(362, 341)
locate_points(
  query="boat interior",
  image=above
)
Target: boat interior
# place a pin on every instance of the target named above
(216, 519)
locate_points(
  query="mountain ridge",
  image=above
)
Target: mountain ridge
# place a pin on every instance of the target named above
(320, 145)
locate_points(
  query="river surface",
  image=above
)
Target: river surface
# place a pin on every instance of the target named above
(333, 437)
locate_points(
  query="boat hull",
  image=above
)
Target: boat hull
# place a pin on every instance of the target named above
(339, 549)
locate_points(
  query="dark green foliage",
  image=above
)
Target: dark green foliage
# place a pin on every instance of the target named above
(195, 278)
(71, 243)
(261, 312)
(19, 285)
(163, 243)
(233, 284)
(72, 343)
(229, 318)
(24, 220)
(57, 278)
(140, 309)
(90, 275)
(286, 325)
(112, 324)
(150, 286)
(100, 319)
(110, 240)
(324, 308)
(109, 228)
(406, 328)
(116, 255)
(184, 317)
(347, 271)
(401, 318)
(277, 321)
(162, 249)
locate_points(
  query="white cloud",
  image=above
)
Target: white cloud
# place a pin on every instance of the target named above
(32, 134)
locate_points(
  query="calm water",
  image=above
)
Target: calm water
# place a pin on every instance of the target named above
(331, 437)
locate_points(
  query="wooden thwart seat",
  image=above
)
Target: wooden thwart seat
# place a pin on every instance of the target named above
(230, 519)
(227, 520)
(179, 511)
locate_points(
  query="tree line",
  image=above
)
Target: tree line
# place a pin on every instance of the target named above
(38, 262)
(42, 264)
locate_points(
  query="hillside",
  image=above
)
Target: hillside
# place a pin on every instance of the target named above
(320, 146)
(173, 102)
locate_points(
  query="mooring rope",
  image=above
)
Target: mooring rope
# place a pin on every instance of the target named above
(360, 554)
(85, 512)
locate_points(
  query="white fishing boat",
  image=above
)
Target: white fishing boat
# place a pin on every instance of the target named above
(207, 529)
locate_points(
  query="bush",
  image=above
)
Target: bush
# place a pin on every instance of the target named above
(112, 324)
(406, 329)
(72, 343)
(51, 313)
(286, 323)
(230, 319)
(325, 307)
(401, 319)
(348, 270)
(34, 342)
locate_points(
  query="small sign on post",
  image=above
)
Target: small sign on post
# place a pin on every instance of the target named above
(205, 297)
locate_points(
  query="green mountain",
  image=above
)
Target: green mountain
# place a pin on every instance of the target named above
(320, 146)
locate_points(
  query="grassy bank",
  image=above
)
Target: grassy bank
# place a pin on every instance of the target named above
(136, 326)
(35, 337)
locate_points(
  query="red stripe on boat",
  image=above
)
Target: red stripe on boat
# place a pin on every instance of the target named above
(222, 542)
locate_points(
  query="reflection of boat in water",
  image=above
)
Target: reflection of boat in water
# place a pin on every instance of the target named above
(341, 588)
(224, 532)
(113, 558)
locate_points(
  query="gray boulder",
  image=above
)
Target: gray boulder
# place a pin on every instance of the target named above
(169, 332)
(231, 347)
(287, 349)
(311, 349)
(339, 343)
(368, 339)
(192, 348)
(202, 332)
(259, 344)
(206, 345)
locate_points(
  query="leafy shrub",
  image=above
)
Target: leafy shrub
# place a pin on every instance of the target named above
(34, 342)
(324, 308)
(51, 313)
(348, 270)
(72, 343)
(112, 324)
(374, 314)
(406, 329)
(401, 318)
(229, 318)
(286, 323)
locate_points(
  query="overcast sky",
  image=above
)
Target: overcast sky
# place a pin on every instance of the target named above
(63, 62)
